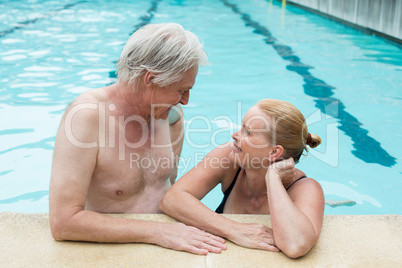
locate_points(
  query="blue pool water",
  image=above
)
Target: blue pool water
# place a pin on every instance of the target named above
(347, 84)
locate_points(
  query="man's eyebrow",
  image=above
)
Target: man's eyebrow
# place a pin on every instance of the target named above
(185, 88)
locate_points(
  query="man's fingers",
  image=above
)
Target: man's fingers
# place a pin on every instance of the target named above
(216, 238)
(219, 243)
(211, 239)
(195, 250)
(202, 248)
(210, 248)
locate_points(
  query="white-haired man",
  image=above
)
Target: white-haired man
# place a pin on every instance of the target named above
(116, 146)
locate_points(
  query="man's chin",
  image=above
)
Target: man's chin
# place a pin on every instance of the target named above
(162, 116)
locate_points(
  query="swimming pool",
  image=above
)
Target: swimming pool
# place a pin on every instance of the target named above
(347, 84)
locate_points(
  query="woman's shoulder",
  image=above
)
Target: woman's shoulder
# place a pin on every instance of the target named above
(221, 156)
(304, 187)
(304, 181)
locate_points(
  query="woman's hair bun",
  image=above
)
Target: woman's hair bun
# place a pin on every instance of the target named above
(313, 140)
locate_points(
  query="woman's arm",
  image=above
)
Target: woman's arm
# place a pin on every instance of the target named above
(182, 201)
(297, 214)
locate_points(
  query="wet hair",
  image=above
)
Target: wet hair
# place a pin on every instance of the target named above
(288, 128)
(166, 50)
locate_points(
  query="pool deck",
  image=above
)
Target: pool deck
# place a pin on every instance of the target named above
(346, 241)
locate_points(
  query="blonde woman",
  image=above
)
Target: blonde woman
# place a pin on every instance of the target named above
(257, 175)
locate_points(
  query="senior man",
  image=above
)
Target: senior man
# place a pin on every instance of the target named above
(116, 147)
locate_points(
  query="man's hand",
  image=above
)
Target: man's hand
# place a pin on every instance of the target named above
(253, 235)
(187, 238)
(285, 169)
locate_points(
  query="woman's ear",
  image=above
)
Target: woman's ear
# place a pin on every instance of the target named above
(148, 77)
(276, 152)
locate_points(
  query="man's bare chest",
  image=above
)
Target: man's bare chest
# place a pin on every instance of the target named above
(129, 168)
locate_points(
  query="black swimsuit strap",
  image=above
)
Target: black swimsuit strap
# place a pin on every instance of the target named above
(227, 193)
(295, 182)
(229, 190)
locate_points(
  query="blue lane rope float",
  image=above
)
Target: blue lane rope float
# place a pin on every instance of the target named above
(24, 24)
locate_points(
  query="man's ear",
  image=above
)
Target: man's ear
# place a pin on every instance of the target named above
(275, 153)
(148, 78)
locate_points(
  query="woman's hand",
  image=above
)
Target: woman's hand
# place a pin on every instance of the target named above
(179, 236)
(253, 235)
(285, 169)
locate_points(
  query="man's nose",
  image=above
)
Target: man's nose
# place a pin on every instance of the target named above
(185, 97)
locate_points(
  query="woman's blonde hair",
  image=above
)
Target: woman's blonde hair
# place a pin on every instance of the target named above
(288, 128)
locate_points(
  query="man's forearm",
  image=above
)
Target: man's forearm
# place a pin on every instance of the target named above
(95, 227)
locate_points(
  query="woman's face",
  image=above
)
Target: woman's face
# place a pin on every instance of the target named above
(251, 145)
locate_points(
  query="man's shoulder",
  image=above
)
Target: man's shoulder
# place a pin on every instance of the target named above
(92, 96)
(89, 101)
(85, 108)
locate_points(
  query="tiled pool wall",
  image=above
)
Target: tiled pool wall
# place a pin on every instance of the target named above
(380, 16)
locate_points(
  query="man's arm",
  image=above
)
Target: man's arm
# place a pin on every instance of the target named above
(72, 170)
(176, 125)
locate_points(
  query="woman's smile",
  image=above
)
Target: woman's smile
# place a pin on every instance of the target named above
(236, 148)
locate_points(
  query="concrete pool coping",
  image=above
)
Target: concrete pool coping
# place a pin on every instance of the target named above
(346, 241)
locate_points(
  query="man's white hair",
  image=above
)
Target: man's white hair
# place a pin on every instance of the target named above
(166, 50)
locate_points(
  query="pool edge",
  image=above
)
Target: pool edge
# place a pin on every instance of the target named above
(346, 240)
